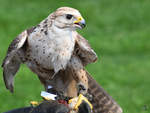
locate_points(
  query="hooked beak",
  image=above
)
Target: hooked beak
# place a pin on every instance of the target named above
(80, 23)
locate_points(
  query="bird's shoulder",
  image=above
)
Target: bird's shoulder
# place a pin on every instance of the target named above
(15, 45)
(18, 42)
(80, 40)
(84, 50)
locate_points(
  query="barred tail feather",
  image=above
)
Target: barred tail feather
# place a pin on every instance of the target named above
(102, 102)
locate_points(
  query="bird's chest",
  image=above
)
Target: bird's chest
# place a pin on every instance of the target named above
(51, 53)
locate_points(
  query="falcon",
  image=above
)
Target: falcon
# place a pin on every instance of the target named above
(46, 48)
(57, 54)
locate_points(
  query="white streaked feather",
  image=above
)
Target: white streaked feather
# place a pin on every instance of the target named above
(23, 37)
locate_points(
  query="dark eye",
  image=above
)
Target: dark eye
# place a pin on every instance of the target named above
(69, 16)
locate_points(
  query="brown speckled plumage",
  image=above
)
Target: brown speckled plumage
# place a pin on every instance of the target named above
(53, 47)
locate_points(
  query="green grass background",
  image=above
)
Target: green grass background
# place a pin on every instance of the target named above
(119, 32)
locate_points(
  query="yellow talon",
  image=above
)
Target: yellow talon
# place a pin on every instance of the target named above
(34, 103)
(78, 100)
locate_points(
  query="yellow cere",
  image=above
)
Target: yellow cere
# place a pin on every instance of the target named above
(78, 20)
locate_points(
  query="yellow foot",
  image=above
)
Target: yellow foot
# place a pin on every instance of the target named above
(77, 101)
(34, 103)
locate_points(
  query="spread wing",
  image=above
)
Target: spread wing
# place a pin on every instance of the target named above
(84, 50)
(11, 63)
(102, 102)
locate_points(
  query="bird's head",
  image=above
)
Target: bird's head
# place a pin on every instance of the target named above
(66, 17)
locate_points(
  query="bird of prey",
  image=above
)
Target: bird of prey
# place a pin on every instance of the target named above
(46, 48)
(57, 54)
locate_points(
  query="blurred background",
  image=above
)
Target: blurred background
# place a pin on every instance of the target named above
(119, 32)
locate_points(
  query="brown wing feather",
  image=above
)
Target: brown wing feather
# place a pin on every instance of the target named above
(16, 44)
(84, 50)
(102, 102)
(11, 63)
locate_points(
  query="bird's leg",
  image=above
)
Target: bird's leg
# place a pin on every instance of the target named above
(82, 85)
(79, 74)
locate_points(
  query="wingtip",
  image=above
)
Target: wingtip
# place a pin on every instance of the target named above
(10, 88)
